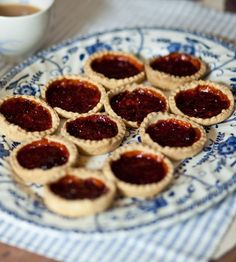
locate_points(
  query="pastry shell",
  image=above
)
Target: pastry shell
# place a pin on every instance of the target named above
(225, 113)
(111, 83)
(38, 175)
(135, 190)
(170, 82)
(16, 133)
(175, 153)
(69, 114)
(131, 88)
(96, 147)
(80, 207)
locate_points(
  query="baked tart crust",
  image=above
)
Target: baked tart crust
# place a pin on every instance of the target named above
(99, 146)
(169, 81)
(17, 133)
(132, 89)
(139, 190)
(43, 175)
(88, 84)
(174, 152)
(111, 82)
(210, 87)
(80, 207)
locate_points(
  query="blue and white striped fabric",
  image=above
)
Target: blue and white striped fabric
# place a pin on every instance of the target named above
(91, 16)
(193, 240)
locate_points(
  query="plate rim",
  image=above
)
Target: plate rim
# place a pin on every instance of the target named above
(55, 47)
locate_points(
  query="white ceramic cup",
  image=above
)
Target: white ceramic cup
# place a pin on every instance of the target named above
(23, 35)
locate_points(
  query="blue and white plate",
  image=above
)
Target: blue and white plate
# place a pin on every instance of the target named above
(200, 181)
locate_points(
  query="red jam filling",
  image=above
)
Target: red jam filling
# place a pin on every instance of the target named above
(43, 154)
(72, 188)
(173, 133)
(139, 168)
(202, 102)
(136, 105)
(94, 127)
(116, 66)
(73, 95)
(28, 114)
(176, 64)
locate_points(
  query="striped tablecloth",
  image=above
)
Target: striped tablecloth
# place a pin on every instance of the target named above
(193, 240)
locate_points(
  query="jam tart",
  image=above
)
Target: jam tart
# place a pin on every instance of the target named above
(114, 68)
(25, 117)
(94, 134)
(72, 95)
(173, 70)
(80, 192)
(138, 170)
(43, 160)
(133, 103)
(203, 102)
(175, 136)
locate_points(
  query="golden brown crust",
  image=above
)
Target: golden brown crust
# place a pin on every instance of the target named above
(131, 88)
(16, 133)
(176, 153)
(134, 190)
(111, 83)
(97, 147)
(171, 82)
(83, 207)
(38, 175)
(225, 113)
(69, 114)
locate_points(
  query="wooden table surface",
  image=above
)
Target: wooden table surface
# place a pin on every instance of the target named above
(12, 254)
